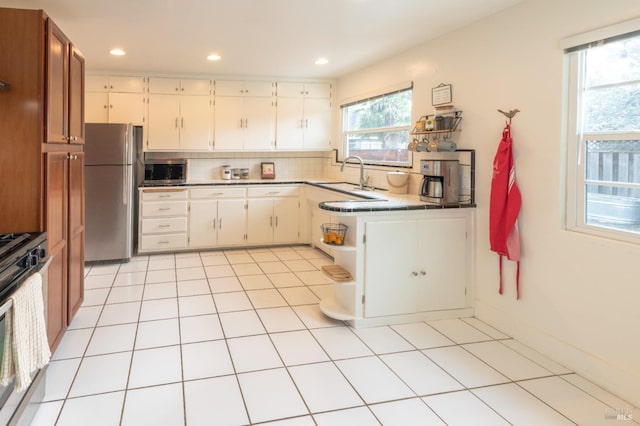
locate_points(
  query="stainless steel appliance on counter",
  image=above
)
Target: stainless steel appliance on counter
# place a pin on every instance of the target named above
(165, 171)
(111, 157)
(441, 181)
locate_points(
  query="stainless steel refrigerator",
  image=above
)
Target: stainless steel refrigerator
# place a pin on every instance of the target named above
(111, 156)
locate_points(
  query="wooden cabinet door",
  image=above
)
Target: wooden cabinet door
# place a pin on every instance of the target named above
(164, 116)
(289, 123)
(260, 220)
(442, 267)
(232, 222)
(57, 85)
(390, 270)
(260, 124)
(127, 108)
(56, 178)
(76, 96)
(229, 123)
(317, 124)
(75, 284)
(203, 222)
(195, 123)
(286, 220)
(96, 107)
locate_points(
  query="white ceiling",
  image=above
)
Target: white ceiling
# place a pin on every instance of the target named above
(254, 37)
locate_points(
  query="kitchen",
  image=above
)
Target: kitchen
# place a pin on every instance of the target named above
(577, 294)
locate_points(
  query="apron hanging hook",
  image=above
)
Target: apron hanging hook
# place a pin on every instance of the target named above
(512, 113)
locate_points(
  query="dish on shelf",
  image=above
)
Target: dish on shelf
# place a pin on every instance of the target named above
(337, 273)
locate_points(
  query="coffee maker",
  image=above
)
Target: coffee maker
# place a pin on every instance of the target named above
(441, 181)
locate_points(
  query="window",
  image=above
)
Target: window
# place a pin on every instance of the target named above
(377, 129)
(603, 191)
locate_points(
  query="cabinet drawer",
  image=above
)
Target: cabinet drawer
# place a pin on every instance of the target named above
(169, 208)
(163, 242)
(217, 192)
(164, 194)
(164, 225)
(274, 191)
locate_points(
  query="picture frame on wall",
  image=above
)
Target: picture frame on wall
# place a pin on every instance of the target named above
(268, 170)
(441, 95)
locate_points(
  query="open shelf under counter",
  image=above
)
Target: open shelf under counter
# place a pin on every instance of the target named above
(336, 247)
(334, 310)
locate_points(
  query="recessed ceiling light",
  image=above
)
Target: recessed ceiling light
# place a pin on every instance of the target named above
(322, 61)
(214, 57)
(117, 52)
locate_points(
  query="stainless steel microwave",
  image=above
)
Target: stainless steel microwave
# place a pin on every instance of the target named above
(165, 171)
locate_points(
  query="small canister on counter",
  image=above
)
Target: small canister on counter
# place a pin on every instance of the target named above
(226, 172)
(235, 173)
(244, 173)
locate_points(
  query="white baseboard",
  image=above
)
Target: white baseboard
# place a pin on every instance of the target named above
(599, 371)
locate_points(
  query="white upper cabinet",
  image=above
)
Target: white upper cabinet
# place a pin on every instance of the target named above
(176, 86)
(180, 115)
(257, 89)
(303, 116)
(115, 100)
(244, 115)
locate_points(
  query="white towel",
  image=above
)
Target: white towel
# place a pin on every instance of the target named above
(25, 346)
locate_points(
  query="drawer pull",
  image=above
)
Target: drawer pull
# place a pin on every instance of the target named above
(273, 192)
(163, 242)
(164, 209)
(164, 226)
(164, 196)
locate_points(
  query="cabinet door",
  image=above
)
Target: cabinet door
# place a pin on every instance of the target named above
(97, 83)
(258, 89)
(195, 87)
(56, 178)
(126, 108)
(229, 88)
(289, 123)
(76, 96)
(229, 123)
(317, 123)
(286, 220)
(96, 107)
(290, 89)
(232, 222)
(260, 220)
(164, 86)
(390, 283)
(443, 284)
(195, 123)
(260, 120)
(57, 107)
(126, 84)
(203, 222)
(164, 130)
(75, 284)
(317, 90)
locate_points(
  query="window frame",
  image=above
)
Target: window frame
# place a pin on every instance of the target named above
(576, 153)
(408, 128)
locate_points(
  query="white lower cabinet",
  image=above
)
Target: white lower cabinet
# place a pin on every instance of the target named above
(415, 266)
(217, 217)
(275, 219)
(163, 220)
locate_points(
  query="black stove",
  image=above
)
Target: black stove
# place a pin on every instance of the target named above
(20, 255)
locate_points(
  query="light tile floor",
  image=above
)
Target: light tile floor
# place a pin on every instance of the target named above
(236, 337)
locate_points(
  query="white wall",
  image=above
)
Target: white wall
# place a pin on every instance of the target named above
(579, 294)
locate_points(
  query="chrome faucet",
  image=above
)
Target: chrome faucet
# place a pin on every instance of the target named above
(363, 181)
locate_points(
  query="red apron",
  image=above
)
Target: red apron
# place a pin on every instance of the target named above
(504, 207)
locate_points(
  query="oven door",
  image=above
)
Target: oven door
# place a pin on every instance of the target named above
(7, 404)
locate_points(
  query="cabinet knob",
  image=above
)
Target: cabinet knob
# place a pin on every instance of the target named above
(423, 273)
(414, 273)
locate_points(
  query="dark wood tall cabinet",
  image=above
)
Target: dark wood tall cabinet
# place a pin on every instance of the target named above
(41, 145)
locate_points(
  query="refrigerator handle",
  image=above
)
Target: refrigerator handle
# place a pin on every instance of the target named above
(125, 185)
